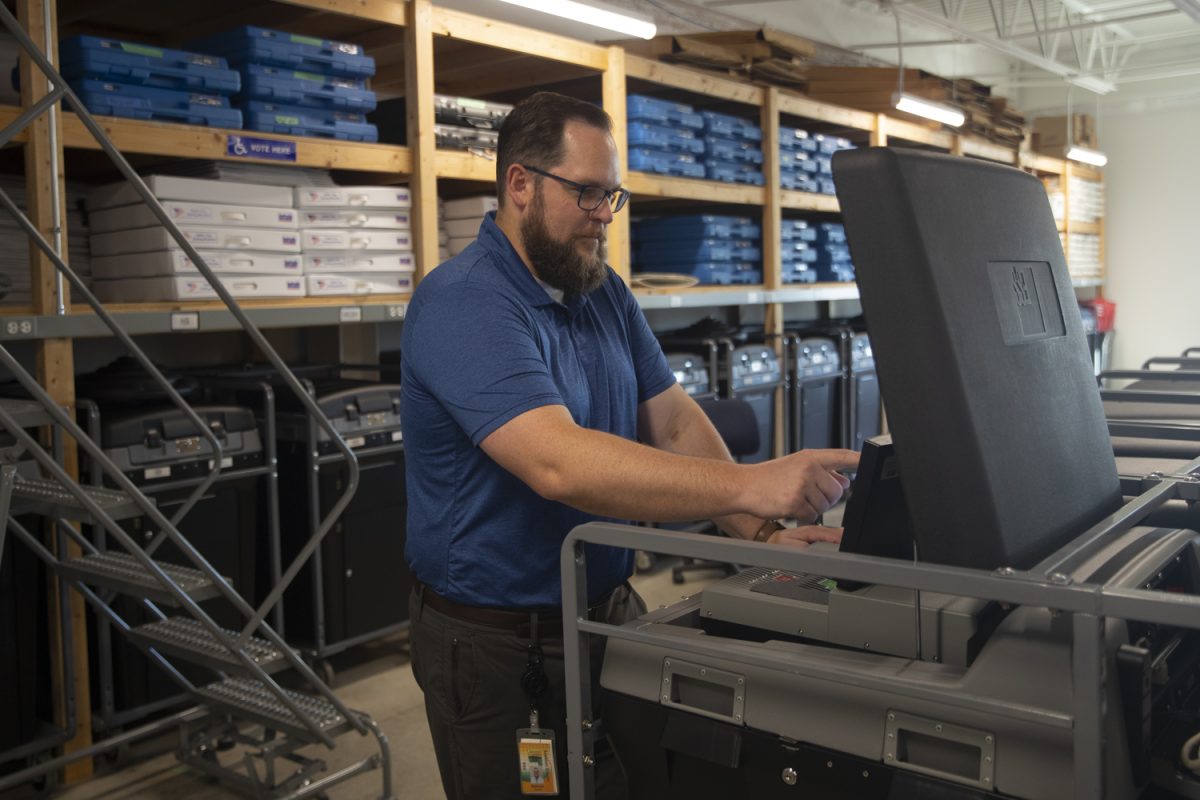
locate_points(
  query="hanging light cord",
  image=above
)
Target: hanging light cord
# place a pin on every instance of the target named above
(899, 46)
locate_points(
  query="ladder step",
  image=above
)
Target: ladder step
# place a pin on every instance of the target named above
(121, 572)
(26, 413)
(49, 498)
(246, 698)
(189, 640)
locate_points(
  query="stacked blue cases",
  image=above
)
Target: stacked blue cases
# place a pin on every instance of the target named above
(714, 249)
(299, 85)
(798, 250)
(805, 159)
(731, 149)
(664, 137)
(833, 254)
(126, 79)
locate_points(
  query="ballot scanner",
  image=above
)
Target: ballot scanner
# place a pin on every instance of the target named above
(998, 621)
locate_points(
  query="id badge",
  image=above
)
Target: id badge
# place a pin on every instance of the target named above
(535, 750)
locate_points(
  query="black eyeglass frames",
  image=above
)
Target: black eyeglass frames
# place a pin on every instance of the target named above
(590, 197)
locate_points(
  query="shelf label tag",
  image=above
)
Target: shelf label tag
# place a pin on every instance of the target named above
(397, 311)
(252, 147)
(350, 314)
(675, 301)
(185, 321)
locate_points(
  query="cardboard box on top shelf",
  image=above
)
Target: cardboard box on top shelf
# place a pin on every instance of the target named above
(1050, 133)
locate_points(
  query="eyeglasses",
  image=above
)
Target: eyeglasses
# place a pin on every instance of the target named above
(590, 197)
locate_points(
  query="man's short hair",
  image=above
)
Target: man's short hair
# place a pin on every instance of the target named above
(533, 132)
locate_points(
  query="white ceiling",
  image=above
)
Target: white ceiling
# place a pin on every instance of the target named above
(1137, 53)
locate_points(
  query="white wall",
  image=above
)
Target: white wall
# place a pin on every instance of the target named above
(1153, 232)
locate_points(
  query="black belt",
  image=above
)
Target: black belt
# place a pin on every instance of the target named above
(513, 620)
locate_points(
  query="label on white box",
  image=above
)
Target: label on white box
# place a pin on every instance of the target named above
(350, 314)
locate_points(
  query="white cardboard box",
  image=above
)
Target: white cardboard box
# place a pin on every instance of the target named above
(187, 213)
(147, 240)
(176, 262)
(355, 239)
(359, 283)
(353, 197)
(456, 246)
(356, 218)
(358, 261)
(471, 207)
(194, 287)
(199, 190)
(458, 228)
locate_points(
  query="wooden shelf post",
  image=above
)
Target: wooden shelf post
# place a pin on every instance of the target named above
(418, 76)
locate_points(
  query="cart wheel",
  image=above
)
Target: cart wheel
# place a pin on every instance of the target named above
(643, 561)
(326, 671)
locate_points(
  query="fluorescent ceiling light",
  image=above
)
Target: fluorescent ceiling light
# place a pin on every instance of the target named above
(941, 112)
(1086, 155)
(1189, 7)
(592, 15)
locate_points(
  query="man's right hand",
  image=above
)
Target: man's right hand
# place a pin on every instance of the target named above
(802, 485)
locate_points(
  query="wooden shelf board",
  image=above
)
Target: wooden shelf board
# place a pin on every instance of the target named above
(800, 106)
(981, 148)
(693, 80)
(1092, 228)
(911, 132)
(648, 185)
(386, 11)
(806, 201)
(191, 141)
(1038, 162)
(465, 166)
(505, 36)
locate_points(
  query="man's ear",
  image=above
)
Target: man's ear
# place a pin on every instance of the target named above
(518, 186)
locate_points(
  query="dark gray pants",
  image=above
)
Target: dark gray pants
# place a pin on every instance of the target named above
(471, 677)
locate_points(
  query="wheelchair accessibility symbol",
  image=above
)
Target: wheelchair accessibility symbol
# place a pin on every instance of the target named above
(237, 146)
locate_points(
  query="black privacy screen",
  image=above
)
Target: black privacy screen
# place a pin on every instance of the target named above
(982, 361)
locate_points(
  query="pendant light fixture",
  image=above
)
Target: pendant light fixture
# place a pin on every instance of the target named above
(592, 14)
(913, 104)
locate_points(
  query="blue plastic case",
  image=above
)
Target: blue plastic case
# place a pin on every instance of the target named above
(797, 230)
(731, 172)
(798, 252)
(796, 139)
(799, 181)
(742, 152)
(831, 233)
(109, 98)
(728, 126)
(143, 65)
(657, 137)
(696, 226)
(305, 89)
(676, 252)
(831, 144)
(805, 275)
(651, 109)
(297, 121)
(798, 161)
(664, 163)
(252, 45)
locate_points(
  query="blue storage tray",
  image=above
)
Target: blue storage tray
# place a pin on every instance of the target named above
(825, 186)
(797, 230)
(730, 127)
(799, 276)
(696, 226)
(742, 152)
(831, 233)
(798, 161)
(249, 44)
(674, 252)
(833, 254)
(796, 139)
(156, 67)
(296, 121)
(831, 144)
(798, 253)
(644, 134)
(827, 274)
(651, 109)
(664, 163)
(750, 276)
(108, 98)
(305, 89)
(733, 173)
(799, 181)
(824, 166)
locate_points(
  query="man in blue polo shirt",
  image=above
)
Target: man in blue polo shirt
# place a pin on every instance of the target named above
(530, 376)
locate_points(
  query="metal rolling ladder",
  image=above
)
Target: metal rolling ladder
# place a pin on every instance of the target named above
(246, 704)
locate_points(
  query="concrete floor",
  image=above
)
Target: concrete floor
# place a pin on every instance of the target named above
(374, 678)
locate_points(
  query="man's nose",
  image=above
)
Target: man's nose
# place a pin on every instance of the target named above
(603, 212)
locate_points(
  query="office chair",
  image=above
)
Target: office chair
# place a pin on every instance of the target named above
(735, 421)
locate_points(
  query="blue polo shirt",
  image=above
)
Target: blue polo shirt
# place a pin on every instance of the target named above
(483, 343)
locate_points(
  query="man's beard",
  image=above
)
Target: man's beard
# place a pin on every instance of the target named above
(560, 263)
